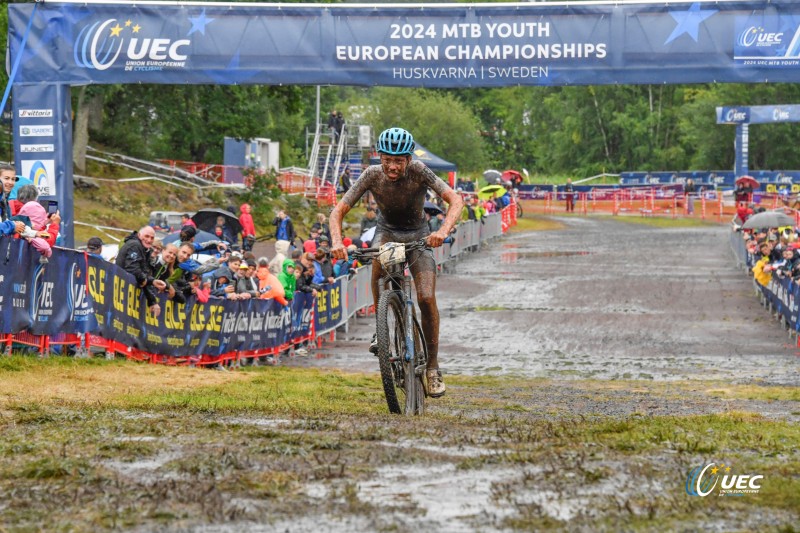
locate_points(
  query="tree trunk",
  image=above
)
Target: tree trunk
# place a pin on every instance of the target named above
(606, 149)
(80, 136)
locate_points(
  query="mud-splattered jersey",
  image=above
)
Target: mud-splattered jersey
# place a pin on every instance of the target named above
(401, 201)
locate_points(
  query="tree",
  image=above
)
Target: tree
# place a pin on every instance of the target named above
(436, 119)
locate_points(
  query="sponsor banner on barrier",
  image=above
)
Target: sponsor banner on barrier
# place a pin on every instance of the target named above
(16, 287)
(78, 293)
(73, 293)
(330, 301)
(60, 300)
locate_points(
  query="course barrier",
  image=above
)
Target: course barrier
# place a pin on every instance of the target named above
(80, 303)
(781, 296)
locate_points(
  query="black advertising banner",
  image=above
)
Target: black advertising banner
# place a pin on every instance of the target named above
(330, 302)
(76, 293)
(18, 278)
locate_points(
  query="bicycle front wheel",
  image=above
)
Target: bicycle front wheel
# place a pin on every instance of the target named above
(391, 350)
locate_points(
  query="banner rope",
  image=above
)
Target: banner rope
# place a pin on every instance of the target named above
(18, 58)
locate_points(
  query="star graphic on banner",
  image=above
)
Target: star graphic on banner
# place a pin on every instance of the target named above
(115, 31)
(199, 23)
(136, 28)
(128, 23)
(714, 470)
(688, 21)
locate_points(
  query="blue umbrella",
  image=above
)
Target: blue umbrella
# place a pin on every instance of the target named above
(201, 237)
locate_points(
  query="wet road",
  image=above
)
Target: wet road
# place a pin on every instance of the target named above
(600, 299)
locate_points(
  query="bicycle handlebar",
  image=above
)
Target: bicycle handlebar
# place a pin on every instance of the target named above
(414, 245)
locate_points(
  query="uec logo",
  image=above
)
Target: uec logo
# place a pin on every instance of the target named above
(759, 36)
(700, 484)
(734, 115)
(99, 46)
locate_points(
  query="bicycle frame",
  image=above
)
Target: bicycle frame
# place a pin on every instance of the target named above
(392, 281)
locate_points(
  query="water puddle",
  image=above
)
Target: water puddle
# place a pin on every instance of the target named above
(261, 422)
(514, 256)
(145, 470)
(449, 499)
(452, 451)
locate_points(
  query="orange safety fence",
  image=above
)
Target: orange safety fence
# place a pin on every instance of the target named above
(208, 171)
(644, 202)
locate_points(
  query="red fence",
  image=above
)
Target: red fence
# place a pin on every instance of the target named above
(84, 344)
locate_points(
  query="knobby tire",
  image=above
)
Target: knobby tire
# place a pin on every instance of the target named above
(391, 342)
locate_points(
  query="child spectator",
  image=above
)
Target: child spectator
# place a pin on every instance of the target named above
(281, 251)
(268, 285)
(248, 228)
(200, 287)
(38, 216)
(287, 279)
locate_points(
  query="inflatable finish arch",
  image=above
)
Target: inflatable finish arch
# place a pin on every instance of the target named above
(416, 45)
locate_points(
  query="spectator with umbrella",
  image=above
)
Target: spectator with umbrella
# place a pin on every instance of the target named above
(211, 218)
(435, 215)
(745, 185)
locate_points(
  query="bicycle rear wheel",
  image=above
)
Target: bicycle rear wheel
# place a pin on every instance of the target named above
(391, 350)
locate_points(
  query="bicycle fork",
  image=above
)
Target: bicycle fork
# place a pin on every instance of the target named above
(409, 317)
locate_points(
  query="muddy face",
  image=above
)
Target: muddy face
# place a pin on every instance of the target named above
(394, 166)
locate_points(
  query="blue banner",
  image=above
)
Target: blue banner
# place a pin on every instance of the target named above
(76, 293)
(435, 45)
(43, 145)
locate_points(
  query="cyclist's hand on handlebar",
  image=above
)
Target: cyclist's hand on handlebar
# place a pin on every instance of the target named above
(436, 239)
(338, 251)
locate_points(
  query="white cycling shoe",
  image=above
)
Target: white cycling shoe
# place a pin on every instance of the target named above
(436, 388)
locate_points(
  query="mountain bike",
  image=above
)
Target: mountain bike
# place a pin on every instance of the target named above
(515, 195)
(402, 352)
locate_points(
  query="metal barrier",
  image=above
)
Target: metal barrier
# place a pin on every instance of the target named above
(779, 296)
(356, 288)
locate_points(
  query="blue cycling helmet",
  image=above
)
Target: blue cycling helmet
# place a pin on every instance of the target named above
(395, 141)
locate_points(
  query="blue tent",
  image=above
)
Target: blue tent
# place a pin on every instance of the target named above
(433, 161)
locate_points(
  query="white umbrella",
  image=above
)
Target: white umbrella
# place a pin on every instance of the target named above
(492, 175)
(368, 235)
(769, 219)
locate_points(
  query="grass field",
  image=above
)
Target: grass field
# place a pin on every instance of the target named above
(98, 445)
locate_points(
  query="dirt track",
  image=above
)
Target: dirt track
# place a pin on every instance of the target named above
(600, 299)
(576, 451)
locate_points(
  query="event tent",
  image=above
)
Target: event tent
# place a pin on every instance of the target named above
(434, 162)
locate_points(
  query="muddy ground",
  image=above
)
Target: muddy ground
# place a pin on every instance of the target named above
(589, 370)
(600, 299)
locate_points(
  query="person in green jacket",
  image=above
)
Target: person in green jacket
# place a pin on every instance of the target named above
(472, 210)
(287, 279)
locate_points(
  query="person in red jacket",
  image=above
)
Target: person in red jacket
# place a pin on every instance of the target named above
(248, 228)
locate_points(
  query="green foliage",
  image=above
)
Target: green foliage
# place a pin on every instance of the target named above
(437, 119)
(262, 193)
